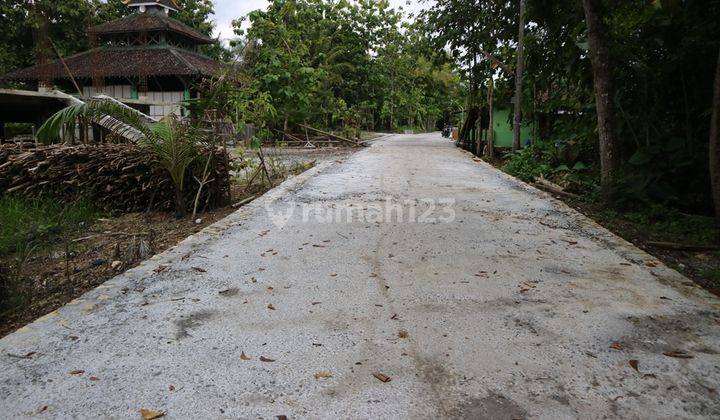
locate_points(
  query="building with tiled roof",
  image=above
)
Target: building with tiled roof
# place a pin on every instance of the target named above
(147, 58)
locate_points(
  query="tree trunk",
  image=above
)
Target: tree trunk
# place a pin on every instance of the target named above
(490, 149)
(714, 145)
(519, 78)
(604, 93)
(180, 210)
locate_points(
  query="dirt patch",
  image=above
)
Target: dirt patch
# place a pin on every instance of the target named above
(65, 268)
(492, 407)
(703, 267)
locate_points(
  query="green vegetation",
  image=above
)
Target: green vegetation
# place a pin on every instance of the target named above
(343, 65)
(173, 145)
(28, 223)
(661, 223)
(69, 20)
(658, 67)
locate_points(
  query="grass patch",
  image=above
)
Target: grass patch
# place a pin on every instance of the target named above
(27, 222)
(26, 226)
(666, 224)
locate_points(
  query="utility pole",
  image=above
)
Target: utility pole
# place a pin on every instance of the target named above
(519, 78)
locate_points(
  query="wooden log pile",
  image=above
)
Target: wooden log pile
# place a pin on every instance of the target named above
(118, 177)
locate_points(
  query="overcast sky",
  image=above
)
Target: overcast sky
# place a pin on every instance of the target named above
(227, 10)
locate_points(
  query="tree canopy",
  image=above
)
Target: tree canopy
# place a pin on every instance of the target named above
(663, 57)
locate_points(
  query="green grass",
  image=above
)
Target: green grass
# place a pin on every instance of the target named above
(26, 223)
(663, 223)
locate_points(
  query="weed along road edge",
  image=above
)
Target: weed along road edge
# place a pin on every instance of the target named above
(405, 280)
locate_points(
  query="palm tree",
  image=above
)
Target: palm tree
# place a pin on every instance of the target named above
(173, 145)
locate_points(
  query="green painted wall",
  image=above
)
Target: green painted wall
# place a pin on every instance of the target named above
(504, 129)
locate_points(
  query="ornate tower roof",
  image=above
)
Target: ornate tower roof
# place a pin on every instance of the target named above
(142, 5)
(145, 43)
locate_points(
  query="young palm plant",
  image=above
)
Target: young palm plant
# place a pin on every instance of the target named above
(173, 145)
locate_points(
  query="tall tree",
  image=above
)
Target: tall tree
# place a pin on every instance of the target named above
(715, 141)
(604, 92)
(517, 119)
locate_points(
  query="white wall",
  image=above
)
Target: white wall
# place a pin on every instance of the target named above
(115, 91)
(156, 111)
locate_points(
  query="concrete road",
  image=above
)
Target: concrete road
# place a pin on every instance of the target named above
(501, 304)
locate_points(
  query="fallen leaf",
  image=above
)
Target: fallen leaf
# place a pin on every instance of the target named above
(270, 306)
(77, 372)
(186, 256)
(402, 334)
(282, 417)
(333, 275)
(171, 387)
(265, 359)
(26, 356)
(651, 264)
(616, 346)
(382, 377)
(94, 378)
(678, 354)
(315, 303)
(323, 375)
(199, 269)
(161, 268)
(150, 414)
(228, 292)
(634, 364)
(243, 356)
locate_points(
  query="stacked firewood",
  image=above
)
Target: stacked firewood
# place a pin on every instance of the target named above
(119, 177)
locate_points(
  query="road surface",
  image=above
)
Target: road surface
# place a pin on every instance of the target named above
(404, 281)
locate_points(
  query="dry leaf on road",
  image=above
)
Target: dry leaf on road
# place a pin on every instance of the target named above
(150, 414)
(382, 377)
(616, 346)
(634, 364)
(323, 375)
(243, 356)
(265, 359)
(678, 354)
